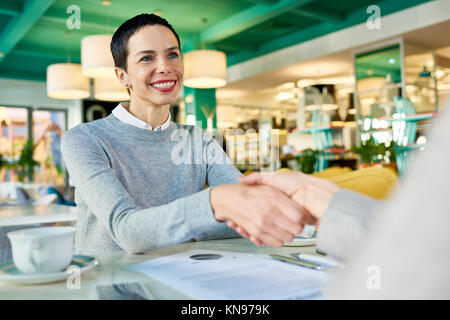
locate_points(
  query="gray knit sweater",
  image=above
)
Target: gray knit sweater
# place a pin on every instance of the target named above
(138, 190)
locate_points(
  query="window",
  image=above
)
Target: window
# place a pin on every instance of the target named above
(48, 127)
(13, 137)
(45, 130)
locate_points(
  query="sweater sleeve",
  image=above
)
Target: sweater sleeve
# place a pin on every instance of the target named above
(133, 228)
(345, 223)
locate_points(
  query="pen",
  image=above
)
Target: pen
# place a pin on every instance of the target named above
(312, 258)
(297, 262)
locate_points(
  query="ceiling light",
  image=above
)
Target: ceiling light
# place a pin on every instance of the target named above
(96, 57)
(285, 86)
(205, 69)
(439, 73)
(391, 61)
(65, 81)
(106, 3)
(110, 90)
(285, 95)
(303, 83)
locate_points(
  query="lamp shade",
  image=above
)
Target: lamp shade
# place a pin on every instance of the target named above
(205, 69)
(96, 57)
(110, 90)
(328, 102)
(309, 99)
(65, 81)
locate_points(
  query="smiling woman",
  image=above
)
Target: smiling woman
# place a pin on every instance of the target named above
(131, 192)
(150, 66)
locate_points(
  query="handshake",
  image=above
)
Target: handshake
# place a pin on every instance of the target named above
(270, 209)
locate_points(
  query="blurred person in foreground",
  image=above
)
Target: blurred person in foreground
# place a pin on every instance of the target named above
(395, 249)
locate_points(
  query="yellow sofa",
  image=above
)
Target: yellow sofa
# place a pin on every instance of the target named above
(375, 182)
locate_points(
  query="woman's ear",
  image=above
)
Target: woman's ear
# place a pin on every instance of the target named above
(122, 76)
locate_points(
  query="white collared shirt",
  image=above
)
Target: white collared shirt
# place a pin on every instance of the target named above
(123, 115)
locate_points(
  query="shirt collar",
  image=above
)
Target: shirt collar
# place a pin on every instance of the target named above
(125, 116)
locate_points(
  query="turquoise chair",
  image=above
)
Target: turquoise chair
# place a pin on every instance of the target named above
(405, 131)
(322, 136)
(61, 200)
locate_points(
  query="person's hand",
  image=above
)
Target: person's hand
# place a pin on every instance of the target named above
(312, 193)
(265, 214)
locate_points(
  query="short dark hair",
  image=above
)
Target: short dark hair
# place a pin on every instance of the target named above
(119, 42)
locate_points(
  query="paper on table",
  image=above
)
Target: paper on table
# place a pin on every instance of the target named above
(239, 276)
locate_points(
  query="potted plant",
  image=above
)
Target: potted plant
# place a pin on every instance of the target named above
(3, 162)
(24, 166)
(307, 160)
(372, 153)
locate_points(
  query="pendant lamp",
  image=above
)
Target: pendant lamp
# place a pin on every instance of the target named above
(96, 57)
(205, 69)
(328, 103)
(65, 81)
(110, 90)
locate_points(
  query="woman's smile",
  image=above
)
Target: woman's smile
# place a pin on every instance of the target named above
(164, 85)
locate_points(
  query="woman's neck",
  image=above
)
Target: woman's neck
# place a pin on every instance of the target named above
(152, 114)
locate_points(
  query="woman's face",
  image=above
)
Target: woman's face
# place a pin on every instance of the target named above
(154, 65)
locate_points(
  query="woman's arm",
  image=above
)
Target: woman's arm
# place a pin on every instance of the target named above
(133, 228)
(136, 229)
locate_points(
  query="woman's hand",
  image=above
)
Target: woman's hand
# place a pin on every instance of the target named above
(267, 215)
(311, 193)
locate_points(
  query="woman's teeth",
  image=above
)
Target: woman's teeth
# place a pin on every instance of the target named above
(163, 85)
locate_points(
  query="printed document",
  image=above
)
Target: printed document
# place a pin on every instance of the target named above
(225, 275)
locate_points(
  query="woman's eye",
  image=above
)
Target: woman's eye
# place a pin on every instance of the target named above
(147, 58)
(173, 55)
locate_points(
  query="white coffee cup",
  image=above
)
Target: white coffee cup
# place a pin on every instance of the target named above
(42, 250)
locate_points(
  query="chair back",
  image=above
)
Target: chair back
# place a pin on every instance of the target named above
(47, 199)
(407, 130)
(23, 197)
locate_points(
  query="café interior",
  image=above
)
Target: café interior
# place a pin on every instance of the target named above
(327, 88)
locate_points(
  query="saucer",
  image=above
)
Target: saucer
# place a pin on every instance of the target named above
(9, 273)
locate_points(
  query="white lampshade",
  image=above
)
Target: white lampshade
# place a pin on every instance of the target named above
(110, 90)
(65, 81)
(309, 98)
(96, 57)
(205, 69)
(328, 102)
